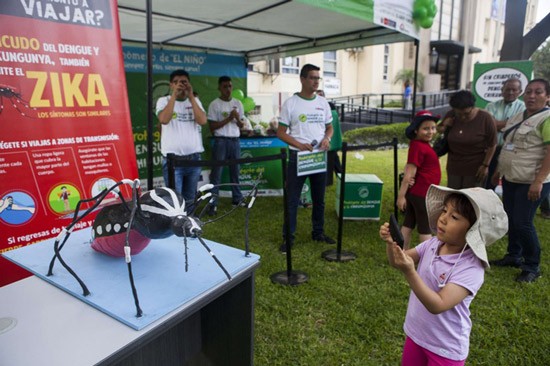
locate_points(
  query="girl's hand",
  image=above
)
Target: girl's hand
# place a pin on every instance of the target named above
(385, 233)
(402, 203)
(401, 260)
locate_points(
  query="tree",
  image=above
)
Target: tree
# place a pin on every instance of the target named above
(407, 74)
(541, 62)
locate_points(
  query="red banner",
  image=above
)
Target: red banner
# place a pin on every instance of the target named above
(64, 118)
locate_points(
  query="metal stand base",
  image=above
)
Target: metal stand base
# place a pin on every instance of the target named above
(332, 256)
(295, 278)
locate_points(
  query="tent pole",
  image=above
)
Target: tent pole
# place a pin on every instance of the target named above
(150, 167)
(416, 47)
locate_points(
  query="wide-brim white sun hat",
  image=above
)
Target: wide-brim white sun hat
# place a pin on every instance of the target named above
(491, 223)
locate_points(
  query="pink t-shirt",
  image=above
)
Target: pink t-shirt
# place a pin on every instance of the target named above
(446, 334)
(428, 170)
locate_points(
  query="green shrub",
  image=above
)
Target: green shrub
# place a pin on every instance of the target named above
(377, 134)
(396, 103)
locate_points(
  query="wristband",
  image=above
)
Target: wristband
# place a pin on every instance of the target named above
(485, 165)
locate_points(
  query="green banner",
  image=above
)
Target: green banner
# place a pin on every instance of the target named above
(269, 173)
(362, 9)
(204, 70)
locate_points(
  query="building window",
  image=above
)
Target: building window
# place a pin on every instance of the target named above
(291, 65)
(446, 24)
(329, 64)
(386, 62)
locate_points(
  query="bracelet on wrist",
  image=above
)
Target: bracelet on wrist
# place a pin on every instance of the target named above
(485, 165)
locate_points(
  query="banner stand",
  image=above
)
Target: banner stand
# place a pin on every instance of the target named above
(290, 276)
(337, 255)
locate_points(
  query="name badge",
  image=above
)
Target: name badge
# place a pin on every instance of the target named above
(509, 147)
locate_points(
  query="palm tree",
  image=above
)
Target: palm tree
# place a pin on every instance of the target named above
(405, 75)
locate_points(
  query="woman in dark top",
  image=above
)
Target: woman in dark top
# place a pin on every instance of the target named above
(472, 141)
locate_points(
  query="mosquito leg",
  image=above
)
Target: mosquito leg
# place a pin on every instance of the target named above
(214, 257)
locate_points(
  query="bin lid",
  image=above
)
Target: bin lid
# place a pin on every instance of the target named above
(361, 178)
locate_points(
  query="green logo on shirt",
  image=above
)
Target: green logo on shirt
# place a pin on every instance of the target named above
(302, 118)
(225, 114)
(174, 115)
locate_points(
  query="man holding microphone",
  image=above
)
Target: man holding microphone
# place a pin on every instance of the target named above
(306, 124)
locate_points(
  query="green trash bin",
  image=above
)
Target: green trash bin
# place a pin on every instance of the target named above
(363, 197)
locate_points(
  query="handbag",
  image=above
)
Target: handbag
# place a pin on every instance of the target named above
(441, 145)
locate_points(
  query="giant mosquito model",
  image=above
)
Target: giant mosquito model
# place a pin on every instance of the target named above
(127, 227)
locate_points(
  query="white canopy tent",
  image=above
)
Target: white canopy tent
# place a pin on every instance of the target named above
(262, 29)
(257, 29)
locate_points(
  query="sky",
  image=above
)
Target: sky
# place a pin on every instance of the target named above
(543, 9)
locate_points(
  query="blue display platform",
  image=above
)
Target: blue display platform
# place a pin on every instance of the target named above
(159, 274)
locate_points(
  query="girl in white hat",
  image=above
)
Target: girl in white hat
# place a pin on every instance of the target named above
(446, 271)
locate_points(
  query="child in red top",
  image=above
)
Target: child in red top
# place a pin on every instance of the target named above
(421, 171)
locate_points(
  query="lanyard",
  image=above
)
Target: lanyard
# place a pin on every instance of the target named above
(517, 125)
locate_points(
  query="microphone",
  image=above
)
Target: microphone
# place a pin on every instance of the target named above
(314, 143)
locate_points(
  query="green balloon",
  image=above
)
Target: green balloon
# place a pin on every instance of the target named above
(420, 13)
(426, 22)
(237, 94)
(425, 3)
(248, 104)
(432, 10)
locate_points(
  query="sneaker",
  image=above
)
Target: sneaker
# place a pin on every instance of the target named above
(323, 238)
(527, 277)
(239, 204)
(506, 262)
(213, 210)
(282, 248)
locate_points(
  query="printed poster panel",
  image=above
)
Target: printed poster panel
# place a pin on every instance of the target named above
(489, 78)
(396, 14)
(268, 174)
(204, 70)
(64, 117)
(393, 14)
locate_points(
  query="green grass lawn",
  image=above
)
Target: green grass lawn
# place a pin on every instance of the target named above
(352, 313)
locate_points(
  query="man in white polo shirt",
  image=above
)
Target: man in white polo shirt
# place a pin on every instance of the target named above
(181, 115)
(306, 123)
(224, 116)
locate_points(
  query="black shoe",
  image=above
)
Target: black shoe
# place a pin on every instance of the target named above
(323, 238)
(282, 248)
(506, 262)
(527, 277)
(239, 204)
(213, 210)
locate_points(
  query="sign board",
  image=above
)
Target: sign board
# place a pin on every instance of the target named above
(64, 119)
(311, 162)
(489, 78)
